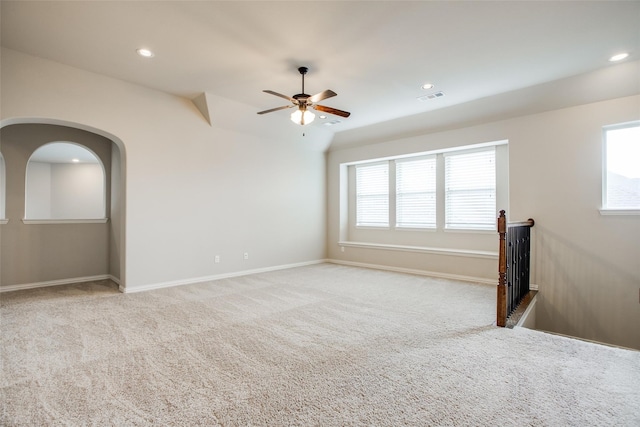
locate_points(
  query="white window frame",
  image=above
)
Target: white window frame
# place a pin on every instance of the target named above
(348, 222)
(606, 208)
(487, 203)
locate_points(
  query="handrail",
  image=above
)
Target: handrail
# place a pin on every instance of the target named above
(528, 223)
(501, 311)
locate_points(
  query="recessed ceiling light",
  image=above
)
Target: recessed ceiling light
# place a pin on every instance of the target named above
(145, 53)
(323, 116)
(427, 86)
(618, 57)
(75, 160)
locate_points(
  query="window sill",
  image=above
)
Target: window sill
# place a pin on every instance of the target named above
(470, 231)
(416, 229)
(65, 221)
(430, 229)
(422, 249)
(4, 221)
(619, 212)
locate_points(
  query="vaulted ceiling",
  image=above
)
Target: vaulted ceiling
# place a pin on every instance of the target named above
(375, 55)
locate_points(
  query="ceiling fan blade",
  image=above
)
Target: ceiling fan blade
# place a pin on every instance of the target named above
(275, 109)
(322, 95)
(295, 101)
(331, 110)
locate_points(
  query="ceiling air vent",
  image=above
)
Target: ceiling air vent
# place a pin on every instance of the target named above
(431, 96)
(331, 123)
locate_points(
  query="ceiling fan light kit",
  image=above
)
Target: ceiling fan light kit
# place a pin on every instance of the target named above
(303, 101)
(301, 117)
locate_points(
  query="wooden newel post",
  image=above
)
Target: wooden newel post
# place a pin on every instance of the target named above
(501, 319)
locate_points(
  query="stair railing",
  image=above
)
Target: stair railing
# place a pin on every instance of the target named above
(513, 265)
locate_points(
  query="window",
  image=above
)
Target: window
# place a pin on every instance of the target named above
(621, 189)
(470, 190)
(416, 193)
(372, 195)
(455, 189)
(65, 181)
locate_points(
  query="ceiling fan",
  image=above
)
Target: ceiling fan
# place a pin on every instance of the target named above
(302, 115)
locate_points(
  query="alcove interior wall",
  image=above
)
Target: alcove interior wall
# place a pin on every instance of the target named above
(36, 254)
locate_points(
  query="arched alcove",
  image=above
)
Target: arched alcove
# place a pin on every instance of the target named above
(53, 251)
(3, 190)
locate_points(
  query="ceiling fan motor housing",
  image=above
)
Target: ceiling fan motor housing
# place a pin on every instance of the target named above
(302, 98)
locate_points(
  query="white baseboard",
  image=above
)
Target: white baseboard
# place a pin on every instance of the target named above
(439, 275)
(59, 282)
(193, 280)
(467, 253)
(606, 344)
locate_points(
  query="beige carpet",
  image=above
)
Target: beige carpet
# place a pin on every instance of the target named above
(323, 345)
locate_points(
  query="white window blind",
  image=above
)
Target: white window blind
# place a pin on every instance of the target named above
(622, 151)
(416, 193)
(470, 190)
(372, 195)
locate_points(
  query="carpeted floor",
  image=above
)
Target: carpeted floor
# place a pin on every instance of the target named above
(322, 345)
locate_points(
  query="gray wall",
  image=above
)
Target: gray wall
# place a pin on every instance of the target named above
(193, 190)
(33, 253)
(2, 189)
(585, 264)
(116, 223)
(38, 190)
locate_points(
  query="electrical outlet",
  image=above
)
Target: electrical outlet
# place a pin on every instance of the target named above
(246, 255)
(217, 259)
(341, 248)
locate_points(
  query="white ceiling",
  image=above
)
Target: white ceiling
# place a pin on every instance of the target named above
(375, 55)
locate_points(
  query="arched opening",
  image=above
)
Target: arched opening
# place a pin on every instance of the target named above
(3, 190)
(54, 251)
(65, 181)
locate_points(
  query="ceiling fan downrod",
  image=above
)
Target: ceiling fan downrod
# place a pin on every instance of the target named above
(303, 71)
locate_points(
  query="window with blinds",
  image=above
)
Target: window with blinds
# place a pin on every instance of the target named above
(470, 190)
(416, 193)
(372, 195)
